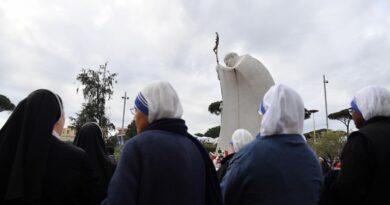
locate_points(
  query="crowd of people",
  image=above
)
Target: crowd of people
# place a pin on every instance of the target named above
(164, 164)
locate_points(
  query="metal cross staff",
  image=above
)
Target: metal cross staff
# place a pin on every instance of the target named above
(215, 49)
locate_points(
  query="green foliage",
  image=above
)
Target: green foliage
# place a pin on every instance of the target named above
(213, 132)
(131, 131)
(215, 108)
(112, 142)
(328, 144)
(97, 88)
(5, 104)
(340, 114)
(307, 114)
(118, 152)
(319, 132)
(210, 147)
(343, 116)
(87, 114)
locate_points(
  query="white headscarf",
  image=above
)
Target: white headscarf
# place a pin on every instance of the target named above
(240, 138)
(373, 101)
(284, 111)
(162, 101)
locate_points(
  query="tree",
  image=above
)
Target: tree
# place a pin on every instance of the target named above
(5, 104)
(307, 114)
(213, 132)
(87, 114)
(111, 142)
(131, 131)
(329, 145)
(210, 147)
(342, 116)
(215, 108)
(97, 88)
(319, 132)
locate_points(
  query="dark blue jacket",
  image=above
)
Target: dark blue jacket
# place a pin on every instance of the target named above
(162, 165)
(277, 169)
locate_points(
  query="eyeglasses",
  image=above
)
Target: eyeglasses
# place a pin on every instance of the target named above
(133, 110)
(350, 111)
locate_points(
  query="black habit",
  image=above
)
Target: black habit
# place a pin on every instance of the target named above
(36, 167)
(90, 139)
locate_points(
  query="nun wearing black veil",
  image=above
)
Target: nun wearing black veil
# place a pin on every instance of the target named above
(90, 139)
(35, 166)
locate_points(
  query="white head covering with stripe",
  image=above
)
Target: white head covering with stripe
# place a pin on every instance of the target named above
(283, 111)
(373, 101)
(159, 100)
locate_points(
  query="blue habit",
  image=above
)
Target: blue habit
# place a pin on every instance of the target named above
(164, 165)
(277, 169)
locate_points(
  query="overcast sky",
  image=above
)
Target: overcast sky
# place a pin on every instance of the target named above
(45, 44)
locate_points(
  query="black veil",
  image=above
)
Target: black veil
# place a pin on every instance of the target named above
(24, 146)
(90, 139)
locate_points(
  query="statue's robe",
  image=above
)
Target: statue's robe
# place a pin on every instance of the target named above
(243, 87)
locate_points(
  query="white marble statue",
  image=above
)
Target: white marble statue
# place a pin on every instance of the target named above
(244, 81)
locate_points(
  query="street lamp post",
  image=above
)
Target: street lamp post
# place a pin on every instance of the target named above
(326, 103)
(101, 86)
(314, 124)
(123, 117)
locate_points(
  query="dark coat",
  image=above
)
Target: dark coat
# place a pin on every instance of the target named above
(36, 167)
(364, 177)
(69, 177)
(90, 139)
(224, 166)
(163, 165)
(274, 170)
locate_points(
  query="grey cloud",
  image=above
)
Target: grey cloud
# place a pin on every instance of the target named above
(299, 41)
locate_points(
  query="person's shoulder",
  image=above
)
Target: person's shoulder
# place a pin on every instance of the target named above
(357, 136)
(152, 135)
(139, 141)
(66, 149)
(261, 143)
(258, 148)
(64, 157)
(143, 137)
(358, 140)
(247, 151)
(374, 124)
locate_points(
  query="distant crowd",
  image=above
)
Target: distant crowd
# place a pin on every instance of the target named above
(164, 164)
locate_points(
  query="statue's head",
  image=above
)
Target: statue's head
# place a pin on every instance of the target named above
(231, 59)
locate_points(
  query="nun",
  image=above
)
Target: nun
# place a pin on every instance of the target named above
(365, 160)
(163, 163)
(278, 167)
(36, 166)
(90, 139)
(240, 138)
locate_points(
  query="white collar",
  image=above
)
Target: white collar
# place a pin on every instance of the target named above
(55, 134)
